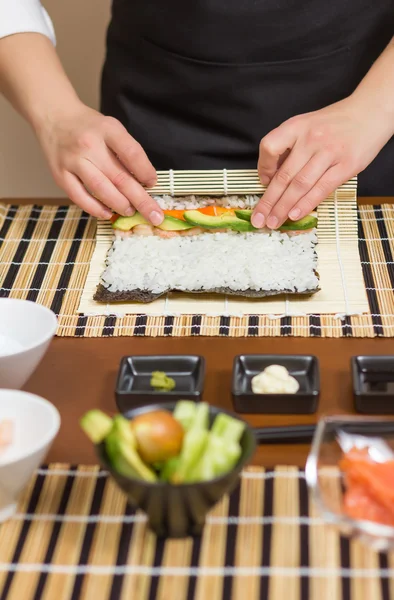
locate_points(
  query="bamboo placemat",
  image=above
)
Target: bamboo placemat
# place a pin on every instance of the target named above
(74, 537)
(45, 254)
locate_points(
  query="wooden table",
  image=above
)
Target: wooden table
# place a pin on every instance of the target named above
(78, 374)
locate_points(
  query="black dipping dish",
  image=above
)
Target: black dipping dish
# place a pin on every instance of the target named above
(373, 384)
(303, 368)
(133, 384)
(179, 511)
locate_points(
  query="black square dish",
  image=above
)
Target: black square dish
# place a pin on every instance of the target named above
(133, 384)
(373, 384)
(303, 368)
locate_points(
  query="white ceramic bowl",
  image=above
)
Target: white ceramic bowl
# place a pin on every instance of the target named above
(36, 423)
(26, 330)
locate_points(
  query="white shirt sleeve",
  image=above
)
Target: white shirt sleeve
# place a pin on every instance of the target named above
(25, 16)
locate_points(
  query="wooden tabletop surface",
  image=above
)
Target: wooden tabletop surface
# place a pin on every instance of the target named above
(79, 374)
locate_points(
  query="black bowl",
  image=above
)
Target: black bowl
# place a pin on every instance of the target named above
(179, 511)
(304, 368)
(133, 387)
(373, 384)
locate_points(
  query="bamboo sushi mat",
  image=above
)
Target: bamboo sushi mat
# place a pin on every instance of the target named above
(74, 537)
(45, 256)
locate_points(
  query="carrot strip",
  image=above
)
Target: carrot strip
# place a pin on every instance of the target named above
(177, 214)
(215, 211)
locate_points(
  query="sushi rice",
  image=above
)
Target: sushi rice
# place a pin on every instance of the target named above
(193, 202)
(271, 262)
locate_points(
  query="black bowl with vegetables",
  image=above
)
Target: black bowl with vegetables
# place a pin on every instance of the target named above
(174, 461)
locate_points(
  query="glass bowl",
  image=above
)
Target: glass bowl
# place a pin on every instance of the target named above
(325, 481)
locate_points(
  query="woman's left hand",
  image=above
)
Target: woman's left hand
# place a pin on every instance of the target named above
(310, 155)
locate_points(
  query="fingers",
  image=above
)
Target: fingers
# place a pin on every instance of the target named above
(331, 179)
(264, 213)
(102, 188)
(78, 194)
(300, 184)
(127, 185)
(273, 149)
(130, 153)
(145, 203)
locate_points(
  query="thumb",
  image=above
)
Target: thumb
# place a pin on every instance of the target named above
(274, 149)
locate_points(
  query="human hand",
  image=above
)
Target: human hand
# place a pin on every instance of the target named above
(98, 164)
(310, 155)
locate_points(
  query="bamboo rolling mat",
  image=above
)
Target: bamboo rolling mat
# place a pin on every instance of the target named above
(45, 255)
(74, 537)
(341, 279)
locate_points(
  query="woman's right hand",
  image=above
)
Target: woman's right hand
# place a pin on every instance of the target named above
(98, 164)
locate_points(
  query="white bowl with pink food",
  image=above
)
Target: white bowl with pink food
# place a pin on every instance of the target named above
(26, 330)
(28, 426)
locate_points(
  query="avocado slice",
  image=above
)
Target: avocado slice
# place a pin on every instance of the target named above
(225, 221)
(308, 222)
(120, 446)
(245, 214)
(126, 460)
(96, 425)
(174, 224)
(127, 223)
(169, 223)
(121, 426)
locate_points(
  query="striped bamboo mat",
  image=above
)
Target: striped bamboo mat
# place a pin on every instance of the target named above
(74, 537)
(45, 255)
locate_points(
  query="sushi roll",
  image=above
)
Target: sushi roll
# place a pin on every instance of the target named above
(208, 245)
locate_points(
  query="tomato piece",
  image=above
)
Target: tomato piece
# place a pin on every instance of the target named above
(177, 214)
(114, 218)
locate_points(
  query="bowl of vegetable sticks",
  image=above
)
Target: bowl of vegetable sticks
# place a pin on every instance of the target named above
(174, 460)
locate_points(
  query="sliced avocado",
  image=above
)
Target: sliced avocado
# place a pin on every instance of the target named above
(224, 221)
(121, 427)
(174, 224)
(127, 223)
(308, 222)
(169, 223)
(245, 214)
(125, 459)
(96, 425)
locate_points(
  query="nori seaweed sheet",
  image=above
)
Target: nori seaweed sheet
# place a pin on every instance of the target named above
(145, 296)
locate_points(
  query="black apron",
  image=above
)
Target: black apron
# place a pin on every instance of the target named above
(199, 83)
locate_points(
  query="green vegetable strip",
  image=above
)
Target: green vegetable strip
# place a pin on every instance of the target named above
(220, 457)
(201, 419)
(185, 413)
(169, 468)
(228, 428)
(193, 447)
